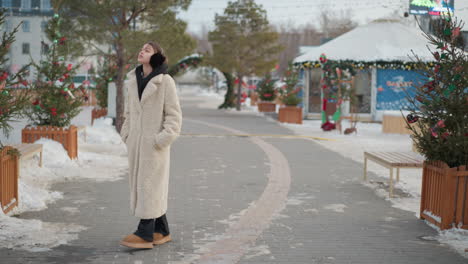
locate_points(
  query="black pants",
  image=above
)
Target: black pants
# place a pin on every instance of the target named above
(147, 227)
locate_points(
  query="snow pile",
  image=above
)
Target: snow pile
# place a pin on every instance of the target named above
(102, 132)
(35, 235)
(101, 158)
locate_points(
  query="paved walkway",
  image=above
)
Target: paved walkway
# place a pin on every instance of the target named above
(245, 200)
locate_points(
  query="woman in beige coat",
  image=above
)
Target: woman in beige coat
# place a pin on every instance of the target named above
(152, 122)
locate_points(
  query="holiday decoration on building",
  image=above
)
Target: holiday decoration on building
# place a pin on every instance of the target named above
(336, 84)
(13, 100)
(184, 64)
(362, 65)
(439, 109)
(56, 99)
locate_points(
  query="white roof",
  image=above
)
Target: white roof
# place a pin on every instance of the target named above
(381, 40)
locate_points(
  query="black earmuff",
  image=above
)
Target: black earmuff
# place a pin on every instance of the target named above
(157, 60)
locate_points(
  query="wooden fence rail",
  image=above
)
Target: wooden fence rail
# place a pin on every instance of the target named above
(67, 137)
(9, 171)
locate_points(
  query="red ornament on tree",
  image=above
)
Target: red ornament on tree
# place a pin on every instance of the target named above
(62, 40)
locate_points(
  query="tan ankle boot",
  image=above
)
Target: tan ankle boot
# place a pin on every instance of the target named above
(134, 241)
(159, 239)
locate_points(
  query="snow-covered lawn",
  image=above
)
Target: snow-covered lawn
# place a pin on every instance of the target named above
(101, 158)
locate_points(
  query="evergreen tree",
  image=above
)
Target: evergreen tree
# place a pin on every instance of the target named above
(57, 101)
(125, 26)
(229, 98)
(12, 101)
(439, 108)
(290, 89)
(266, 89)
(105, 75)
(243, 42)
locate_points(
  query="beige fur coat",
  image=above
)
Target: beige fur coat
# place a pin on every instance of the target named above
(150, 127)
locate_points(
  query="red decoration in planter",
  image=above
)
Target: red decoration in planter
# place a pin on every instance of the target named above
(69, 67)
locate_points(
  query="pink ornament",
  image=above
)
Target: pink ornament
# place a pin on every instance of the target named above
(441, 123)
(455, 32)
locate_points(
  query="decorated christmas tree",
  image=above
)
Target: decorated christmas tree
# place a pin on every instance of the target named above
(266, 89)
(13, 99)
(289, 91)
(57, 101)
(105, 75)
(439, 108)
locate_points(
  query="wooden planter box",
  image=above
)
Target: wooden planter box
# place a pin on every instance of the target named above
(68, 137)
(266, 107)
(9, 171)
(444, 195)
(290, 114)
(97, 113)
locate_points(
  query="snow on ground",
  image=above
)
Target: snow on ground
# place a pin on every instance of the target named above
(35, 235)
(102, 157)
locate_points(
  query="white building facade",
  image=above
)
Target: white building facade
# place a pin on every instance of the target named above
(31, 36)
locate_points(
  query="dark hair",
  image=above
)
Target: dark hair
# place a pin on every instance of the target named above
(157, 48)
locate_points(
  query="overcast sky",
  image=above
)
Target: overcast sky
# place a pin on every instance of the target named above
(300, 12)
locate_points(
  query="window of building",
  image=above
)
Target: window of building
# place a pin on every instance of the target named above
(26, 4)
(43, 26)
(25, 48)
(45, 5)
(26, 26)
(6, 3)
(35, 4)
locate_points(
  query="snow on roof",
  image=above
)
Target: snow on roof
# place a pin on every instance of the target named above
(380, 40)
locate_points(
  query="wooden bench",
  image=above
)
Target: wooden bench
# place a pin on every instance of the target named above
(28, 150)
(393, 160)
